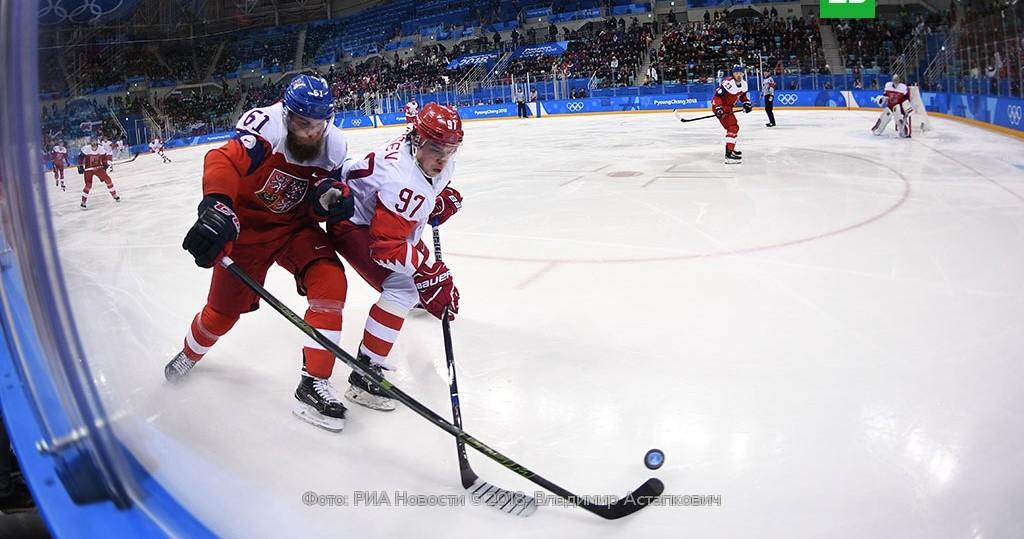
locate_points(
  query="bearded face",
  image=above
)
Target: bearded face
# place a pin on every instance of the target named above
(305, 138)
(304, 148)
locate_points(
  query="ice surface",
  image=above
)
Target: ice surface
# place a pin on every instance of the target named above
(827, 336)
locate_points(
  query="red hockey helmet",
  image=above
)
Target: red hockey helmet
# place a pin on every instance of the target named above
(439, 123)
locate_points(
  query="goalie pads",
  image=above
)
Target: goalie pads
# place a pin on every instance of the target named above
(883, 121)
(905, 124)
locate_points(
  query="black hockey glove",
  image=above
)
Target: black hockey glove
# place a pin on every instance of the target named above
(81, 169)
(719, 111)
(211, 236)
(333, 200)
(747, 107)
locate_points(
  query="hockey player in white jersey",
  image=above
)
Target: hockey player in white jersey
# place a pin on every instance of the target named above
(59, 156)
(895, 102)
(411, 110)
(157, 147)
(397, 190)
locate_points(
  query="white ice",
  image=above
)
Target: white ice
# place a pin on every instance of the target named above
(827, 336)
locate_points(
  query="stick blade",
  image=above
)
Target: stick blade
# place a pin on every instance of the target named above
(631, 503)
(514, 503)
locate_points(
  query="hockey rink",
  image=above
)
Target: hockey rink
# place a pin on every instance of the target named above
(826, 339)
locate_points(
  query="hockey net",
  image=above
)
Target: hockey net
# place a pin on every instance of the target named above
(920, 119)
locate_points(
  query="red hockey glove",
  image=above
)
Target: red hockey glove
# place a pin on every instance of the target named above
(448, 202)
(437, 290)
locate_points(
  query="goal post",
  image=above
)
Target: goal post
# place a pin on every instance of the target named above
(921, 121)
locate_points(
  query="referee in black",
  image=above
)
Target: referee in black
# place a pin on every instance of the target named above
(768, 88)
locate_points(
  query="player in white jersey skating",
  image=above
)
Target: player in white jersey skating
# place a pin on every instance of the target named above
(397, 190)
(411, 110)
(157, 147)
(895, 102)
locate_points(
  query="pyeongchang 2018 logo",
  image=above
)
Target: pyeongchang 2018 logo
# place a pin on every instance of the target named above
(847, 9)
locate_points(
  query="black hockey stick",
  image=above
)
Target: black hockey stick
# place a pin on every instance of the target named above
(684, 120)
(625, 506)
(518, 504)
(123, 161)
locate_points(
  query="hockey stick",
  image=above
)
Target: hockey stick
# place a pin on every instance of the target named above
(625, 506)
(518, 504)
(123, 161)
(684, 120)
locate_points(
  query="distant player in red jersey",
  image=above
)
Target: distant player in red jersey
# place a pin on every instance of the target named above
(397, 190)
(258, 190)
(732, 90)
(59, 157)
(93, 161)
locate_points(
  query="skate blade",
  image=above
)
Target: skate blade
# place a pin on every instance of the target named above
(732, 162)
(369, 400)
(308, 414)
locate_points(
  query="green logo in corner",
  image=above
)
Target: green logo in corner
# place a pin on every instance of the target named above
(847, 9)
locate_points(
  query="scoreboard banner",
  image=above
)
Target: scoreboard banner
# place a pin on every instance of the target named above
(487, 59)
(556, 48)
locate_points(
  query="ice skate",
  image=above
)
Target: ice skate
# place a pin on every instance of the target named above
(366, 393)
(317, 404)
(178, 368)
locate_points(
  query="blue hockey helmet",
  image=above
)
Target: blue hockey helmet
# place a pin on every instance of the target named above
(738, 68)
(309, 96)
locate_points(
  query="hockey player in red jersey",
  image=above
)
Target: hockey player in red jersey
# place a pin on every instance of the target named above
(732, 90)
(257, 195)
(93, 161)
(895, 102)
(59, 157)
(397, 190)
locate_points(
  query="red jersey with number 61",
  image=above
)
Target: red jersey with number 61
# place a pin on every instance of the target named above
(268, 186)
(394, 198)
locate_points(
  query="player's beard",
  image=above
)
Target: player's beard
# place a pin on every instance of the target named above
(303, 151)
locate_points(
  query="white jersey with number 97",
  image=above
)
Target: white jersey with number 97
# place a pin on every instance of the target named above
(395, 199)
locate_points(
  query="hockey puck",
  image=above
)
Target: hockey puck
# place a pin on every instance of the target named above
(654, 459)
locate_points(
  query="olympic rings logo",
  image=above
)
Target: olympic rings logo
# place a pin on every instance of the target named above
(574, 106)
(1015, 113)
(787, 99)
(356, 122)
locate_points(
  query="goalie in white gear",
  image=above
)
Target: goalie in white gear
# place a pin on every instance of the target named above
(895, 102)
